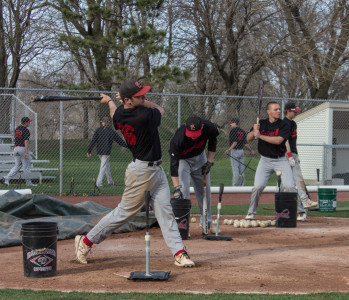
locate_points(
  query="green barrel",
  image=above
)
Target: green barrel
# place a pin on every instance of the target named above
(327, 199)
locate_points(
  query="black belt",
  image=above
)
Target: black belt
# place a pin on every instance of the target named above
(151, 163)
(274, 157)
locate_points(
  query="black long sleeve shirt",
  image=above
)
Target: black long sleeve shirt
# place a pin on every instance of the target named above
(104, 138)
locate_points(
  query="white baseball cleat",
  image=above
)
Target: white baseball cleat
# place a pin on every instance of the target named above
(307, 203)
(249, 217)
(213, 229)
(302, 217)
(183, 260)
(81, 249)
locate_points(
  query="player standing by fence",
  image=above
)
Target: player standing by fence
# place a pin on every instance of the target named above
(21, 153)
(237, 142)
(104, 138)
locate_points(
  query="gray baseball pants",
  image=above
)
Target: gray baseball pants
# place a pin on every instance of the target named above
(20, 162)
(190, 168)
(266, 167)
(104, 170)
(237, 166)
(139, 177)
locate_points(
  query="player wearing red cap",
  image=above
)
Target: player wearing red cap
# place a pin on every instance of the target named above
(189, 161)
(21, 153)
(290, 111)
(138, 119)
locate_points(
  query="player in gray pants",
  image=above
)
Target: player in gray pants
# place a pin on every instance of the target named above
(138, 119)
(140, 177)
(272, 134)
(188, 161)
(191, 168)
(291, 109)
(266, 167)
(237, 141)
(21, 153)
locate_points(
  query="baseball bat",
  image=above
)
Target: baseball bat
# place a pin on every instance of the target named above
(260, 98)
(246, 166)
(219, 206)
(49, 98)
(279, 180)
(147, 235)
(251, 157)
(318, 177)
(205, 221)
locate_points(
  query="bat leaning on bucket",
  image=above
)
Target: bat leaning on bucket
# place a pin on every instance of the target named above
(205, 214)
(218, 237)
(52, 98)
(318, 184)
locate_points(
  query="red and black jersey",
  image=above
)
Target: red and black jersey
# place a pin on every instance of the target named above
(21, 134)
(293, 135)
(182, 147)
(239, 136)
(140, 129)
(278, 128)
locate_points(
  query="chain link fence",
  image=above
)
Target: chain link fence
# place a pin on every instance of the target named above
(61, 133)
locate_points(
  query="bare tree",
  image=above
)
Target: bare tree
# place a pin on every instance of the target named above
(21, 41)
(234, 43)
(319, 32)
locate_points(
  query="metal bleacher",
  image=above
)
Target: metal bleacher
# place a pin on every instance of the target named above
(7, 160)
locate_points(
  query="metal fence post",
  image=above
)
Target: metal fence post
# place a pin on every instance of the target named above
(60, 148)
(179, 112)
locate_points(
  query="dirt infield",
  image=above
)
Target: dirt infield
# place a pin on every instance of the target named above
(310, 258)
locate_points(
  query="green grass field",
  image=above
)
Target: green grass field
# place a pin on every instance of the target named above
(50, 295)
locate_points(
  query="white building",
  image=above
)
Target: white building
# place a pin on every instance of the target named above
(323, 143)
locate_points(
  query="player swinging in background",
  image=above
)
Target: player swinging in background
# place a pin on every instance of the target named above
(237, 141)
(138, 119)
(291, 110)
(272, 134)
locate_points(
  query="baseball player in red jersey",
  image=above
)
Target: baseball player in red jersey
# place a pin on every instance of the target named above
(272, 134)
(188, 161)
(237, 141)
(138, 119)
(21, 153)
(291, 110)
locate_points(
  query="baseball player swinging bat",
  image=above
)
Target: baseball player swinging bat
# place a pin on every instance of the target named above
(49, 98)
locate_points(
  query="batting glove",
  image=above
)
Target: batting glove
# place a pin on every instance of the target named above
(206, 167)
(177, 194)
(291, 159)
